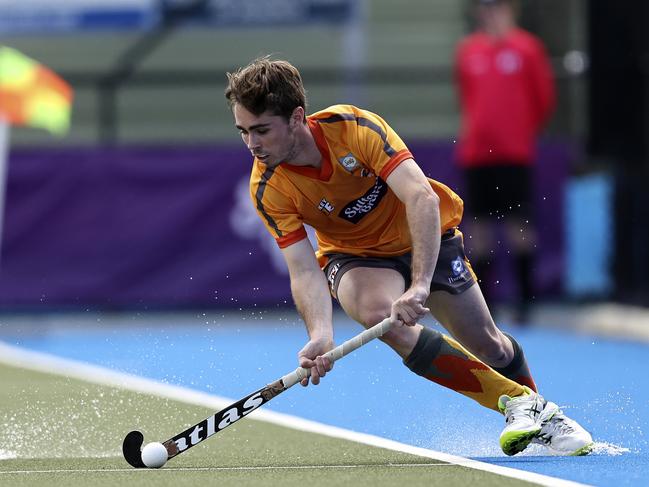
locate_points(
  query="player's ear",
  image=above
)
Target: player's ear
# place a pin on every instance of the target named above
(297, 117)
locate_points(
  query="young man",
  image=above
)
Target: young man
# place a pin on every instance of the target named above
(389, 246)
(506, 92)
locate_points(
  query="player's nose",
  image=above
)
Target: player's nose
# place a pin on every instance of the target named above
(253, 142)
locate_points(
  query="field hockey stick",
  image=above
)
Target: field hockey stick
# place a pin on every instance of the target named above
(131, 447)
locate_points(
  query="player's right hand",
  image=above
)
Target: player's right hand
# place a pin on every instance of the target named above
(311, 357)
(410, 306)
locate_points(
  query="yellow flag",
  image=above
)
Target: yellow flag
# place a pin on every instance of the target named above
(33, 95)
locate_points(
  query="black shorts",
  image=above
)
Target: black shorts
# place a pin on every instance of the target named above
(453, 272)
(499, 191)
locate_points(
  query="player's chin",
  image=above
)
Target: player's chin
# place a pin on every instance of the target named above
(268, 161)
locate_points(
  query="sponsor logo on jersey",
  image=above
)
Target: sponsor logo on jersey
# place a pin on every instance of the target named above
(349, 162)
(360, 207)
(325, 206)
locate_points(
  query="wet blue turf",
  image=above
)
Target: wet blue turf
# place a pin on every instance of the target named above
(600, 382)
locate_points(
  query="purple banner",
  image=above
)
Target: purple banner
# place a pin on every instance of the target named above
(160, 226)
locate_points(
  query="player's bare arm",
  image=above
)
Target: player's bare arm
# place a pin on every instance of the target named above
(422, 209)
(313, 302)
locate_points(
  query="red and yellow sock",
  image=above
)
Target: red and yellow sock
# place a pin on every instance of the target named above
(441, 359)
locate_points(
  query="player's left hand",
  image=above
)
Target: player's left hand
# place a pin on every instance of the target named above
(409, 308)
(311, 357)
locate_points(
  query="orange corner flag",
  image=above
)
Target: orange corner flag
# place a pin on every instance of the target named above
(33, 95)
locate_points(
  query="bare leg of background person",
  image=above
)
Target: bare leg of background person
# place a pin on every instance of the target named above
(522, 239)
(479, 243)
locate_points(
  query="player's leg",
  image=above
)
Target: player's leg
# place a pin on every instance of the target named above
(458, 305)
(468, 320)
(529, 417)
(366, 294)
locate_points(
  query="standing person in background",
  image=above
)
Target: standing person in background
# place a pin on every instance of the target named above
(506, 91)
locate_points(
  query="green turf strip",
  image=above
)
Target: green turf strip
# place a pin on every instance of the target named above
(56, 431)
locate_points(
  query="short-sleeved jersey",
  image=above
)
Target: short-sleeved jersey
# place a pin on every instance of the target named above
(346, 200)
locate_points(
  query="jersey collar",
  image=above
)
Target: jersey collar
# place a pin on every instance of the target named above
(324, 171)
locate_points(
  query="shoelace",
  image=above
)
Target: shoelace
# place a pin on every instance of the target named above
(523, 406)
(558, 425)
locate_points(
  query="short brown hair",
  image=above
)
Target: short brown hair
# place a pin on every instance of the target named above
(267, 85)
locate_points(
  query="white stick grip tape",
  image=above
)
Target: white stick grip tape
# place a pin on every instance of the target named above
(341, 350)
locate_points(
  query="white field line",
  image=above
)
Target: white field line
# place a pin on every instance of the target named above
(233, 469)
(42, 362)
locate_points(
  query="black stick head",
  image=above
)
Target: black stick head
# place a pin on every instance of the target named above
(132, 449)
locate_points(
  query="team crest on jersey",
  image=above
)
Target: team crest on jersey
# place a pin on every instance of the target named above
(509, 61)
(325, 206)
(349, 162)
(457, 266)
(459, 270)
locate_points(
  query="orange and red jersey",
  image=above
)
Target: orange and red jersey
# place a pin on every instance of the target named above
(506, 91)
(346, 200)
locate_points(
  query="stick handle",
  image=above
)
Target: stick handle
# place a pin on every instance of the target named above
(340, 351)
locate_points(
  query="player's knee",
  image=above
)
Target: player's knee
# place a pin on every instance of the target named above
(374, 315)
(493, 352)
(402, 338)
(378, 313)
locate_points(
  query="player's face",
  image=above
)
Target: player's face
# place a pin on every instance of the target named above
(270, 138)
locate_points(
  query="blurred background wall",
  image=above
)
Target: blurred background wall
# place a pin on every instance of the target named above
(144, 203)
(167, 87)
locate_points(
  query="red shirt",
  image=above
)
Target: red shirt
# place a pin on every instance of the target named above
(506, 92)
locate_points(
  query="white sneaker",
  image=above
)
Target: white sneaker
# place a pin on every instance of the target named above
(564, 436)
(525, 417)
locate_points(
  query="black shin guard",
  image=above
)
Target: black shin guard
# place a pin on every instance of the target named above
(426, 349)
(517, 370)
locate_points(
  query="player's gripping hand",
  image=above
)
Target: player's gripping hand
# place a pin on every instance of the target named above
(409, 308)
(311, 357)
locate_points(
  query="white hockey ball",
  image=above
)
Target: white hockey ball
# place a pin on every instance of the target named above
(154, 455)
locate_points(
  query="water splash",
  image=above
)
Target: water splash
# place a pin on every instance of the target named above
(603, 448)
(7, 455)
